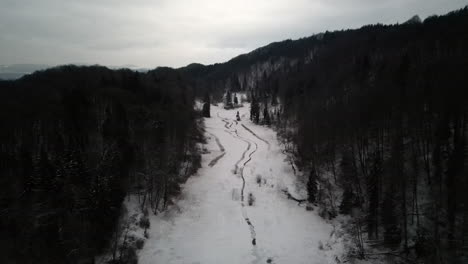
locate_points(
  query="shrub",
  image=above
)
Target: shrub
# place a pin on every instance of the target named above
(251, 199)
(259, 180)
(139, 243)
(144, 222)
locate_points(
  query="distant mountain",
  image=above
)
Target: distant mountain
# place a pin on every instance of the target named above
(16, 71)
(10, 75)
(414, 20)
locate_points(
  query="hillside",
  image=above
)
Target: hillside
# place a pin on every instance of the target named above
(376, 116)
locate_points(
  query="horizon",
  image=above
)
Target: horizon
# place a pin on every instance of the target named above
(217, 49)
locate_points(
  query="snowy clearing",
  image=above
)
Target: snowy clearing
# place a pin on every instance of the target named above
(234, 209)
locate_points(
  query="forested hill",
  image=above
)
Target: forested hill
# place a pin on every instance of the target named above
(378, 118)
(434, 34)
(74, 141)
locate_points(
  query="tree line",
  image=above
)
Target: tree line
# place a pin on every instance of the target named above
(76, 140)
(381, 115)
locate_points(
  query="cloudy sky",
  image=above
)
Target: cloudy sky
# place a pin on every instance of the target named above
(149, 33)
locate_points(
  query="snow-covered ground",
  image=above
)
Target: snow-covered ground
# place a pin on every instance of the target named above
(212, 221)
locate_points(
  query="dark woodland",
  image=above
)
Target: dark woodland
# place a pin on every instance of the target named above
(381, 113)
(74, 142)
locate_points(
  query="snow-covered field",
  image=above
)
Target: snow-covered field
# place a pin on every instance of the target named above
(212, 221)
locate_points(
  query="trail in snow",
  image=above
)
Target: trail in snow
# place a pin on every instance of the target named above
(228, 124)
(244, 212)
(221, 148)
(255, 135)
(212, 221)
(215, 160)
(236, 166)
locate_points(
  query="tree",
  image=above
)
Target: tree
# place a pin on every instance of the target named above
(228, 99)
(373, 197)
(266, 115)
(348, 176)
(254, 110)
(206, 106)
(392, 232)
(312, 187)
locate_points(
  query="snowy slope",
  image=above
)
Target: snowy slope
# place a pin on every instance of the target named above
(212, 221)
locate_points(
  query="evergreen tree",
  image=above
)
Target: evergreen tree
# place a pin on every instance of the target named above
(348, 176)
(228, 99)
(348, 200)
(244, 84)
(206, 106)
(312, 187)
(274, 95)
(392, 233)
(254, 110)
(373, 196)
(266, 115)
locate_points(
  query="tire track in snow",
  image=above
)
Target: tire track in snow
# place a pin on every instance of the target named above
(218, 142)
(242, 170)
(244, 212)
(236, 166)
(255, 135)
(227, 125)
(215, 160)
(221, 148)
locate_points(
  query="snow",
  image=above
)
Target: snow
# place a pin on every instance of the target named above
(209, 222)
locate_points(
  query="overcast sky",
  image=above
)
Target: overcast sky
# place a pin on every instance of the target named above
(149, 33)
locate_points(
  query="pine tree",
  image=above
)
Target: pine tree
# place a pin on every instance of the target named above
(45, 172)
(348, 200)
(252, 103)
(373, 196)
(348, 174)
(254, 110)
(392, 233)
(228, 99)
(257, 115)
(206, 106)
(266, 115)
(236, 102)
(244, 84)
(274, 96)
(312, 186)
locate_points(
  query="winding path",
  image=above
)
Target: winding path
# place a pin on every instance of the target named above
(234, 209)
(233, 133)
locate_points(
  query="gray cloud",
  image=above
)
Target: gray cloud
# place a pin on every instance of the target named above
(149, 33)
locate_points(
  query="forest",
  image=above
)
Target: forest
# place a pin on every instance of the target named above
(376, 118)
(74, 142)
(381, 113)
